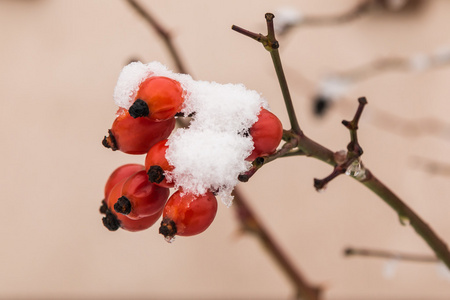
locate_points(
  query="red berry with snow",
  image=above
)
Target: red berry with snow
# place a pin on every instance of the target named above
(266, 133)
(140, 198)
(136, 136)
(158, 98)
(187, 214)
(157, 166)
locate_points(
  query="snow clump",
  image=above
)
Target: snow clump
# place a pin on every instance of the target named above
(211, 152)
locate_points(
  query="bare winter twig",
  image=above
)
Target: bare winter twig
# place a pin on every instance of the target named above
(390, 255)
(310, 148)
(250, 223)
(162, 33)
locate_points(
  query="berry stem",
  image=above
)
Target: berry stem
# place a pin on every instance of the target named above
(261, 161)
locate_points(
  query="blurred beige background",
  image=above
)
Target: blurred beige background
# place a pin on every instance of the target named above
(59, 64)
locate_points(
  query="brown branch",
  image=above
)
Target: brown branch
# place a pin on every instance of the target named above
(431, 166)
(284, 151)
(250, 223)
(271, 44)
(162, 33)
(363, 8)
(353, 154)
(352, 14)
(390, 255)
(310, 148)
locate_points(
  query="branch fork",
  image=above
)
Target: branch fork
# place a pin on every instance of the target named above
(351, 165)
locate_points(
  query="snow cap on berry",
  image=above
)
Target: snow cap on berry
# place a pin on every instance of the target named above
(134, 74)
(210, 154)
(207, 160)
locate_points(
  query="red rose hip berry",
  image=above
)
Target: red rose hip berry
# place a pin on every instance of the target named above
(113, 221)
(157, 166)
(266, 133)
(116, 176)
(136, 136)
(120, 174)
(187, 214)
(140, 198)
(158, 98)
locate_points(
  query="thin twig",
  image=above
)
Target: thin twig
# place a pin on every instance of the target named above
(162, 33)
(250, 223)
(283, 151)
(271, 44)
(310, 148)
(354, 150)
(363, 8)
(431, 166)
(390, 255)
(352, 14)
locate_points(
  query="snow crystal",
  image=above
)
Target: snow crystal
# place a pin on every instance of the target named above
(211, 152)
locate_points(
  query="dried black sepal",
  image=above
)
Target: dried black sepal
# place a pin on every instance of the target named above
(110, 141)
(139, 109)
(110, 221)
(123, 206)
(103, 207)
(155, 174)
(168, 228)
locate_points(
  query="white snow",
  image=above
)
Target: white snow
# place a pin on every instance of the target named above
(285, 17)
(333, 87)
(207, 159)
(134, 74)
(211, 153)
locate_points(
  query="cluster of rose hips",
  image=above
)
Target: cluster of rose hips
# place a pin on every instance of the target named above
(137, 195)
